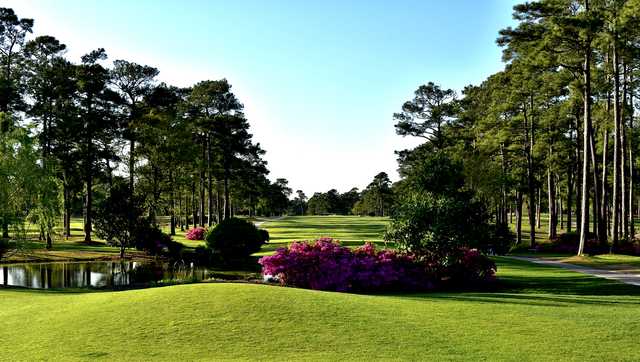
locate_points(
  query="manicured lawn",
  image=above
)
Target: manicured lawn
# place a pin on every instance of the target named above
(625, 263)
(540, 313)
(65, 249)
(350, 230)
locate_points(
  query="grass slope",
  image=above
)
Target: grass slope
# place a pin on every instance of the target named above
(541, 313)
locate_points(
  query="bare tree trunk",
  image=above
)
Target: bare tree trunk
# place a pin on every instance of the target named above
(219, 205)
(529, 133)
(201, 185)
(632, 227)
(538, 209)
(598, 225)
(623, 152)
(561, 213)
(569, 199)
(586, 70)
(553, 217)
(173, 204)
(616, 146)
(187, 210)
(180, 210)
(193, 203)
(210, 184)
(578, 187)
(605, 186)
(88, 212)
(227, 201)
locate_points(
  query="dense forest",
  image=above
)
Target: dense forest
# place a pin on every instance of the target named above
(555, 132)
(71, 133)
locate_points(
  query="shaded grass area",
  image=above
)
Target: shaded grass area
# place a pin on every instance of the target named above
(535, 313)
(350, 230)
(73, 248)
(617, 262)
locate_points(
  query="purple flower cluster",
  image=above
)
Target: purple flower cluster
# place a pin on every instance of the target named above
(196, 233)
(326, 265)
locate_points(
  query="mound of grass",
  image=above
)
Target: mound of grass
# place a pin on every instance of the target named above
(540, 313)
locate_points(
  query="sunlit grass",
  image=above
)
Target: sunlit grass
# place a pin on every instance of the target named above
(349, 230)
(538, 313)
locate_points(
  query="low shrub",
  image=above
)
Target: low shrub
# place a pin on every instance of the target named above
(629, 248)
(235, 239)
(196, 233)
(501, 239)
(471, 267)
(568, 243)
(326, 265)
(264, 234)
(155, 242)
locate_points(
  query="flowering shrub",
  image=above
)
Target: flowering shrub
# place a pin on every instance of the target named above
(196, 233)
(326, 265)
(471, 266)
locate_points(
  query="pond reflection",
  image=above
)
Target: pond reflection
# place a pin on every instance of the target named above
(97, 274)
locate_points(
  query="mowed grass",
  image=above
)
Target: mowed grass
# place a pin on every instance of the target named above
(72, 248)
(538, 313)
(350, 230)
(604, 261)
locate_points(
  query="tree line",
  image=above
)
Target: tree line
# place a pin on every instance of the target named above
(72, 132)
(555, 132)
(377, 199)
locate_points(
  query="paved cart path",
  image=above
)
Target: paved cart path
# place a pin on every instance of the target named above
(628, 278)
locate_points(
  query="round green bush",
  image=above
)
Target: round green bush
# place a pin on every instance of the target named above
(235, 238)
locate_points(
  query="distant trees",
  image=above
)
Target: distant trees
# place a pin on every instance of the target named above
(69, 130)
(376, 200)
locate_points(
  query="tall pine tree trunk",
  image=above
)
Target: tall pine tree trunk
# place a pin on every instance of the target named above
(616, 147)
(584, 202)
(529, 133)
(172, 202)
(201, 185)
(569, 199)
(539, 209)
(518, 217)
(605, 186)
(632, 228)
(194, 204)
(553, 217)
(210, 183)
(227, 201)
(88, 211)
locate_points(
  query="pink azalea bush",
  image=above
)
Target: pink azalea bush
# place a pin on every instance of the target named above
(327, 265)
(196, 233)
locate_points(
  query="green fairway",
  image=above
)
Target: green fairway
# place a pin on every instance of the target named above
(350, 230)
(541, 313)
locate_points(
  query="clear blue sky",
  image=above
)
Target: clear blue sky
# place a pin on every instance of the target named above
(320, 80)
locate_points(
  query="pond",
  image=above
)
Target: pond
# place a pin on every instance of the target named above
(98, 274)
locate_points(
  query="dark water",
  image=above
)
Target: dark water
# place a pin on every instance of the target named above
(97, 274)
